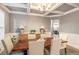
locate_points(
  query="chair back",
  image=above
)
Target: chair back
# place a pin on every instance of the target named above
(55, 47)
(48, 34)
(13, 37)
(63, 36)
(8, 44)
(36, 47)
(31, 36)
(43, 36)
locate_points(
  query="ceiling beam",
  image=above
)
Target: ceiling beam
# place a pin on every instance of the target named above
(72, 10)
(54, 16)
(53, 8)
(59, 12)
(28, 8)
(5, 8)
(36, 14)
(23, 13)
(16, 12)
(33, 14)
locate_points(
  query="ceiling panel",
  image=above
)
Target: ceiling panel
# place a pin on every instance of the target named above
(17, 9)
(64, 8)
(21, 5)
(36, 11)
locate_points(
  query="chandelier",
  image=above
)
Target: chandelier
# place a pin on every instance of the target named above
(41, 6)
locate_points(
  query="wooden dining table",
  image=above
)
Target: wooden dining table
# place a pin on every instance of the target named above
(22, 44)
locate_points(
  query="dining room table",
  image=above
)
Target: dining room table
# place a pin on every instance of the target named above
(22, 44)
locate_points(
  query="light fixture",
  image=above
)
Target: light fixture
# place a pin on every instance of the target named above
(44, 7)
(41, 6)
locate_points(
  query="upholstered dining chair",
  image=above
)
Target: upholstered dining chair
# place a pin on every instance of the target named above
(2, 49)
(8, 44)
(48, 34)
(31, 36)
(63, 36)
(43, 36)
(13, 36)
(36, 47)
(55, 47)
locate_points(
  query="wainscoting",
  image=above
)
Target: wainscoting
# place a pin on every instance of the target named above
(72, 45)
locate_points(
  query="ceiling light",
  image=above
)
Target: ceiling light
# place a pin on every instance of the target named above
(41, 6)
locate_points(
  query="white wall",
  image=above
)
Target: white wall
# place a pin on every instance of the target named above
(69, 25)
(30, 22)
(4, 22)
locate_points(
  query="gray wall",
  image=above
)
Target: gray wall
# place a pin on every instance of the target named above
(30, 22)
(69, 23)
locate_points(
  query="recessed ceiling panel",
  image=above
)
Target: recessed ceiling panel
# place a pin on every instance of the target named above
(17, 9)
(77, 4)
(21, 5)
(64, 8)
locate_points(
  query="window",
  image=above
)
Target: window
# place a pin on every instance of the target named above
(2, 24)
(55, 24)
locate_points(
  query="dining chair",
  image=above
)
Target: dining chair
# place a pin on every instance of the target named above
(63, 36)
(43, 36)
(8, 44)
(36, 47)
(2, 49)
(55, 47)
(48, 34)
(13, 37)
(31, 36)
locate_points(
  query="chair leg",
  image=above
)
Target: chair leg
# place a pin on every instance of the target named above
(65, 51)
(47, 52)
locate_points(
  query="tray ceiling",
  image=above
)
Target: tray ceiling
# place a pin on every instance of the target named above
(53, 9)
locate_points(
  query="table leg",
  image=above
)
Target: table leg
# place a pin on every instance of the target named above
(25, 52)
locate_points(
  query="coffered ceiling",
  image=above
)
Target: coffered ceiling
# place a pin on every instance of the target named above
(54, 9)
